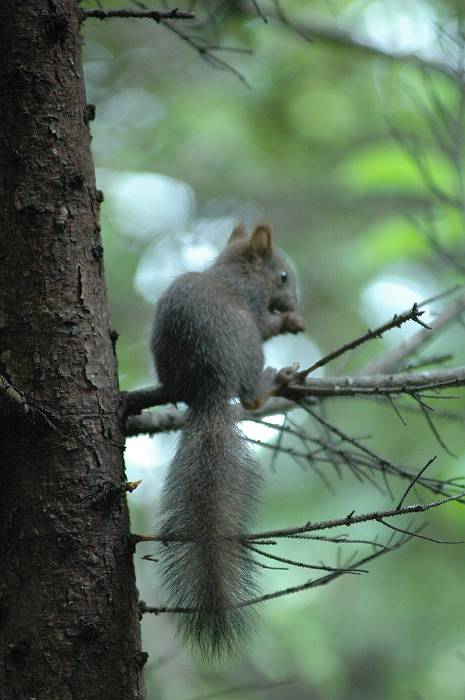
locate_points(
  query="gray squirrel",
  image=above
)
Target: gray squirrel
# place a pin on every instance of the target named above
(207, 345)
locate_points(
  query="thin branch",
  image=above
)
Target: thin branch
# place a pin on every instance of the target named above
(353, 519)
(414, 481)
(390, 361)
(338, 539)
(397, 321)
(379, 462)
(427, 361)
(396, 411)
(205, 51)
(418, 536)
(433, 428)
(293, 562)
(258, 10)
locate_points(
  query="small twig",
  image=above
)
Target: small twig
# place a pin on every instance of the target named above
(396, 410)
(390, 361)
(205, 52)
(418, 536)
(432, 427)
(414, 481)
(338, 539)
(259, 11)
(385, 465)
(427, 361)
(292, 562)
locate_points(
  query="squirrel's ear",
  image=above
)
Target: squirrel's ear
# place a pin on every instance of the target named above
(260, 240)
(238, 233)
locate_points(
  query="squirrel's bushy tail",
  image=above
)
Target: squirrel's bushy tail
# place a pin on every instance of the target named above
(208, 501)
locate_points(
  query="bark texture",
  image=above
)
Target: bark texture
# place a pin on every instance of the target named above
(68, 604)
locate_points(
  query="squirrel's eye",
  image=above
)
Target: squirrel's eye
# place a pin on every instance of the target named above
(283, 276)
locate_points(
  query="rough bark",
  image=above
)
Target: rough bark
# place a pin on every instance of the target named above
(68, 604)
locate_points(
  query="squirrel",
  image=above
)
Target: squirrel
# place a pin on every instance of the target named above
(207, 346)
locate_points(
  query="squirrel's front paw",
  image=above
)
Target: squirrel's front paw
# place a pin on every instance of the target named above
(286, 375)
(292, 322)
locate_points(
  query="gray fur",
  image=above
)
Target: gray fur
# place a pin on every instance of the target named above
(209, 498)
(207, 344)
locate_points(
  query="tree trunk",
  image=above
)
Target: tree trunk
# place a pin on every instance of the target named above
(68, 603)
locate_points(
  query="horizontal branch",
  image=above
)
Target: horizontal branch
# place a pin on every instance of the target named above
(407, 383)
(173, 418)
(377, 384)
(353, 519)
(156, 15)
(133, 402)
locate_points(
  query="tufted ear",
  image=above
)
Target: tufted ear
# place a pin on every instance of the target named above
(260, 242)
(238, 233)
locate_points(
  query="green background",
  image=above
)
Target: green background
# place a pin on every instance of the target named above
(184, 150)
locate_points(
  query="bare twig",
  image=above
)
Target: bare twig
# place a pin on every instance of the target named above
(379, 462)
(426, 413)
(397, 321)
(414, 481)
(390, 361)
(427, 361)
(293, 562)
(406, 531)
(258, 10)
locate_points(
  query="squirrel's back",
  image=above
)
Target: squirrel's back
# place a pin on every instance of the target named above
(205, 340)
